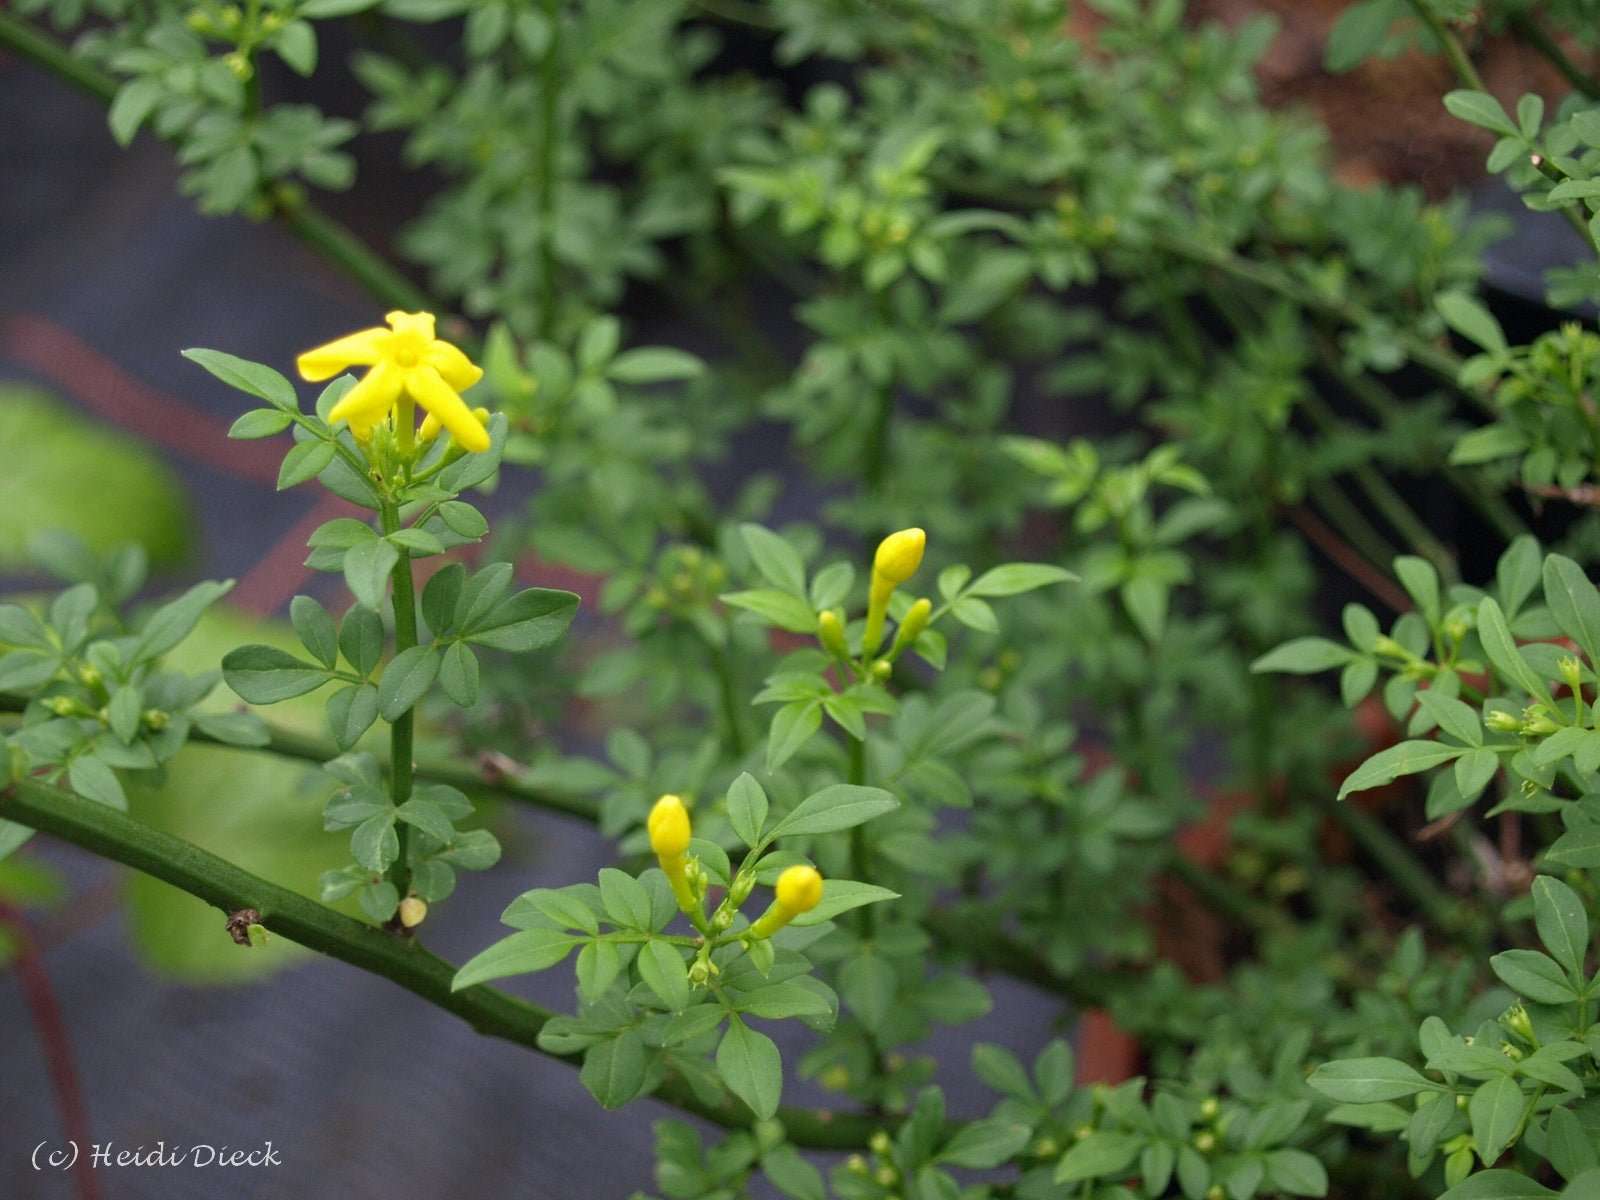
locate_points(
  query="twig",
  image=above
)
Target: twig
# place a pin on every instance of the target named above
(1354, 565)
(117, 836)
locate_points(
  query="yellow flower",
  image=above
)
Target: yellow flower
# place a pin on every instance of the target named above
(799, 891)
(409, 365)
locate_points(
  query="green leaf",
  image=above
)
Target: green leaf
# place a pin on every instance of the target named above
(528, 621)
(260, 423)
(266, 675)
(1574, 603)
(1481, 109)
(1495, 1111)
(777, 561)
(361, 639)
(841, 895)
(252, 378)
(23, 670)
(315, 627)
(1361, 1080)
(1000, 1070)
(428, 817)
(1578, 847)
(367, 567)
(1570, 1149)
(839, 806)
(1488, 444)
(234, 728)
(626, 902)
(1303, 656)
(463, 519)
(1502, 650)
(374, 844)
(176, 619)
(751, 1066)
(1534, 976)
(792, 727)
(1499, 1185)
(304, 461)
(1013, 579)
(1100, 1154)
(1296, 1172)
(296, 44)
(405, 679)
(458, 674)
(984, 1145)
(784, 611)
(1360, 32)
(134, 102)
(747, 808)
(662, 968)
(615, 1070)
(780, 1001)
(94, 780)
(1468, 317)
(1563, 924)
(520, 954)
(1421, 582)
(654, 364)
(793, 1175)
(1407, 758)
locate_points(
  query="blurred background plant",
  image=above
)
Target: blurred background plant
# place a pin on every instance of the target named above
(1051, 282)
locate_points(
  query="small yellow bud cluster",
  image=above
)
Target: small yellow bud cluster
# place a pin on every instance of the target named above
(669, 831)
(799, 890)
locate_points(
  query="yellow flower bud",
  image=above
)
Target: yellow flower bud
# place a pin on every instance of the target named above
(413, 909)
(799, 891)
(911, 626)
(669, 829)
(899, 555)
(830, 632)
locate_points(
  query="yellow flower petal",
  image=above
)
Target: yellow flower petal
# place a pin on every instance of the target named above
(454, 367)
(361, 349)
(419, 325)
(428, 389)
(371, 399)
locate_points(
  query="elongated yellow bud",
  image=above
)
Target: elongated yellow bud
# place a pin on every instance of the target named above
(899, 555)
(830, 632)
(911, 626)
(669, 831)
(799, 890)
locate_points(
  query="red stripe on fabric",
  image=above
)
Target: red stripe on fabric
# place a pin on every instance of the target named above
(101, 386)
(273, 582)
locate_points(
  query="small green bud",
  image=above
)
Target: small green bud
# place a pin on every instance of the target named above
(1046, 1147)
(1515, 1020)
(1514, 1053)
(1456, 629)
(911, 626)
(886, 1176)
(721, 920)
(1571, 672)
(879, 1143)
(1387, 645)
(89, 675)
(155, 719)
(1205, 1141)
(1503, 722)
(1215, 1192)
(881, 671)
(1209, 1108)
(1082, 1133)
(743, 884)
(830, 632)
(1540, 725)
(856, 1165)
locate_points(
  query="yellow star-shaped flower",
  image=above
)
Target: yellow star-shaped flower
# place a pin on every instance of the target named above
(409, 364)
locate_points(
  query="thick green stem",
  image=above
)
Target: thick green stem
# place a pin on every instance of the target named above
(1453, 50)
(549, 130)
(308, 223)
(45, 50)
(117, 836)
(1533, 33)
(401, 733)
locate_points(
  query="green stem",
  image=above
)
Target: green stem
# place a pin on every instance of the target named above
(308, 223)
(401, 733)
(49, 53)
(860, 851)
(1465, 71)
(345, 250)
(1381, 493)
(1382, 403)
(728, 695)
(117, 836)
(1579, 223)
(1533, 33)
(549, 130)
